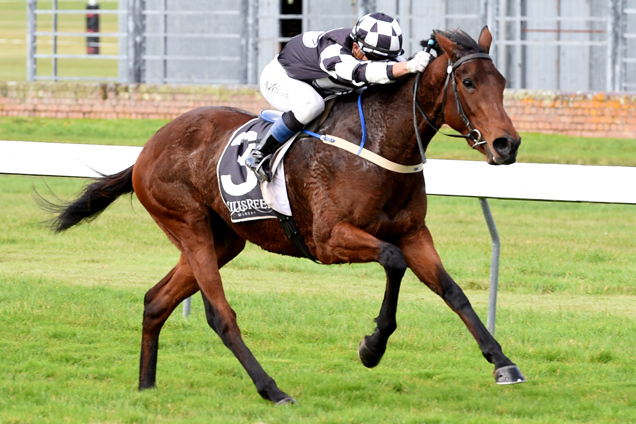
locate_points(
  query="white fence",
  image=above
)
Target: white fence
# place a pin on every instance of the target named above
(528, 181)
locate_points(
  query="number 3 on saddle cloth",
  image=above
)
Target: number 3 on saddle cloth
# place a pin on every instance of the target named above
(239, 186)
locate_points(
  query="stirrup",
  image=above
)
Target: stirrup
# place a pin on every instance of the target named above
(260, 167)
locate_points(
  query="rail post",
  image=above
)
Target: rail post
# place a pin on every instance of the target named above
(31, 27)
(92, 25)
(494, 265)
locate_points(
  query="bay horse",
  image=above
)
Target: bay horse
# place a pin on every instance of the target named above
(347, 210)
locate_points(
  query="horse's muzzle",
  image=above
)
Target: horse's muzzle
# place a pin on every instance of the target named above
(504, 150)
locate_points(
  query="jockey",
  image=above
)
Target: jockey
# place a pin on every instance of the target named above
(315, 65)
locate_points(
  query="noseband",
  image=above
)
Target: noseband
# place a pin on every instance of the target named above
(473, 133)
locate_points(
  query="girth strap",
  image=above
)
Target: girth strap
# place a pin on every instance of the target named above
(293, 234)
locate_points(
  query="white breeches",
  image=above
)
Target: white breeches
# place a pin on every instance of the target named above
(287, 94)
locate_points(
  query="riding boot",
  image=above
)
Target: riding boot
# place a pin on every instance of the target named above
(259, 157)
(282, 130)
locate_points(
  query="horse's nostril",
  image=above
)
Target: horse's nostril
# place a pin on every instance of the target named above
(503, 146)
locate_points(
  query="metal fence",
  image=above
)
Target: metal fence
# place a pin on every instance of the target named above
(567, 45)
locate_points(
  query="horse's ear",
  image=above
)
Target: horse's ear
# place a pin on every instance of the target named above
(449, 47)
(485, 39)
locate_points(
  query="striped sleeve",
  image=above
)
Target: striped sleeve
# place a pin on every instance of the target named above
(345, 68)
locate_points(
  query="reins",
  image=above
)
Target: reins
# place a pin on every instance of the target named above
(473, 133)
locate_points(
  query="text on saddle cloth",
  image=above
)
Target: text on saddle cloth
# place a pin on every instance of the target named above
(239, 186)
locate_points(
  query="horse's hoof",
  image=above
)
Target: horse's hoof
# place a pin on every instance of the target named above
(368, 358)
(286, 401)
(147, 386)
(509, 374)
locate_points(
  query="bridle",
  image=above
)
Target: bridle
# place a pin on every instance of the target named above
(473, 133)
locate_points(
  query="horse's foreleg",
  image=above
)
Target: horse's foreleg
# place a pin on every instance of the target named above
(352, 244)
(423, 259)
(159, 303)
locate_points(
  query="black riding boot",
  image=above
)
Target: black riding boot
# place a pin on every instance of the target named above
(259, 157)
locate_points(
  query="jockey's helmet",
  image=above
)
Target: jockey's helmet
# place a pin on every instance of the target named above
(378, 35)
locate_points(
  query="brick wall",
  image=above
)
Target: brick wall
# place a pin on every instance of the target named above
(580, 114)
(587, 114)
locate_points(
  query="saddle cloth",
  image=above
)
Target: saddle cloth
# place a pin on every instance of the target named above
(244, 197)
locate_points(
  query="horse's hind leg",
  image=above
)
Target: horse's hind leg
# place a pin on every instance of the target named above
(192, 234)
(159, 303)
(423, 259)
(162, 299)
(266, 387)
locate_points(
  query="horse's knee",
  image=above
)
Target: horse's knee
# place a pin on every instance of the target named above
(392, 259)
(152, 319)
(157, 309)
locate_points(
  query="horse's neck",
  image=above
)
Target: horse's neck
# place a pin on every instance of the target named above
(394, 105)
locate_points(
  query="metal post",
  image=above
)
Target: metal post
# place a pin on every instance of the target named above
(164, 41)
(135, 40)
(516, 61)
(31, 28)
(491, 20)
(251, 25)
(502, 50)
(488, 13)
(306, 24)
(187, 306)
(54, 59)
(366, 7)
(92, 25)
(621, 47)
(494, 265)
(611, 51)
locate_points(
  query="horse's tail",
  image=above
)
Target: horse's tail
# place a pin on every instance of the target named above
(94, 200)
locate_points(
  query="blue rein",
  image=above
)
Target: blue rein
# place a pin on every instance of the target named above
(271, 119)
(364, 127)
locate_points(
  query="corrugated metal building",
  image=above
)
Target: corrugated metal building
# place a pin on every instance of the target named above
(567, 45)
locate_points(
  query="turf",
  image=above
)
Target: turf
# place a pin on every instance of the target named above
(71, 307)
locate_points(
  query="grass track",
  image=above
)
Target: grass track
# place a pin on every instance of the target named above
(71, 305)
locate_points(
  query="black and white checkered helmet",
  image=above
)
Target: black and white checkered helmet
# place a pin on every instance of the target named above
(379, 35)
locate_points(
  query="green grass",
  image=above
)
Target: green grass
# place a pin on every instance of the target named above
(71, 354)
(86, 131)
(71, 307)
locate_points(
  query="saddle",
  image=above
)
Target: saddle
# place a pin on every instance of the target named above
(243, 195)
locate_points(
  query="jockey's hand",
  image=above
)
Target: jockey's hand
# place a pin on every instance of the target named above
(420, 61)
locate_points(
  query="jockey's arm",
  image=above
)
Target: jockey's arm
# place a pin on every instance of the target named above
(400, 69)
(358, 70)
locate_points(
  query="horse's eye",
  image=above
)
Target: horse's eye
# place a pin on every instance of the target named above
(468, 83)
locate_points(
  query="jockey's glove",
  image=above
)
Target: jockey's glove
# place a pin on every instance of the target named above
(420, 61)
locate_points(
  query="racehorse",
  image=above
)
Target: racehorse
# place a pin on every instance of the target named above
(347, 210)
